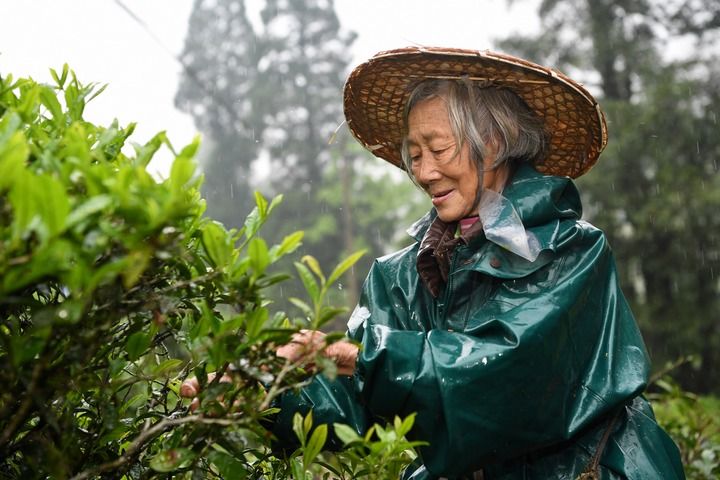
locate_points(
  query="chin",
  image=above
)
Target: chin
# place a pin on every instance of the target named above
(449, 217)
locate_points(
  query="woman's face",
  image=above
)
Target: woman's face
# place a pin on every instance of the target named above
(450, 179)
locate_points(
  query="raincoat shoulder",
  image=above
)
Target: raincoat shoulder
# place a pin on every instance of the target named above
(516, 357)
(518, 367)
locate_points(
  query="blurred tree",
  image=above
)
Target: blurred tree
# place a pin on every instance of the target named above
(304, 63)
(218, 88)
(268, 98)
(302, 70)
(656, 191)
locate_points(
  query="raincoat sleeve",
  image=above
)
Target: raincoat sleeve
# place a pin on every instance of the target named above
(533, 366)
(331, 401)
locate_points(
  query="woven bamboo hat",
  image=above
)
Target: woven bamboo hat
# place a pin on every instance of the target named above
(377, 90)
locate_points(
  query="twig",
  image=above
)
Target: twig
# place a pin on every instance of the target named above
(147, 435)
(21, 413)
(669, 368)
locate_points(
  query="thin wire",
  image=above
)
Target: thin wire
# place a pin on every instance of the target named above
(146, 27)
(192, 75)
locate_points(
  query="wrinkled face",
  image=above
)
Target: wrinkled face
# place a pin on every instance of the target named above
(447, 175)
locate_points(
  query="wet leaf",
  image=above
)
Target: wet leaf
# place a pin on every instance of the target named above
(171, 459)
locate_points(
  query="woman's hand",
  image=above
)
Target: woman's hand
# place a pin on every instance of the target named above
(190, 388)
(303, 347)
(307, 343)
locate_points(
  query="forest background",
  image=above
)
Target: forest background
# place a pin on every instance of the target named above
(266, 97)
(268, 102)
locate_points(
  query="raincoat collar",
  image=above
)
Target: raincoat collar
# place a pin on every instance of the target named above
(548, 207)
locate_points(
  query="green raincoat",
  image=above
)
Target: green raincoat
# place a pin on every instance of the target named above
(518, 368)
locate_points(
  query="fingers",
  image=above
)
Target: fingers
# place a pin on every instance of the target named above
(190, 388)
(344, 354)
(303, 344)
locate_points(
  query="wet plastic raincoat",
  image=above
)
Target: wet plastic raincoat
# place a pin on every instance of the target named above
(518, 368)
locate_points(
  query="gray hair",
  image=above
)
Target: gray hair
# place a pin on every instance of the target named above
(482, 114)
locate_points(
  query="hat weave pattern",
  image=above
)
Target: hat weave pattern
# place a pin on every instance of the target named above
(376, 93)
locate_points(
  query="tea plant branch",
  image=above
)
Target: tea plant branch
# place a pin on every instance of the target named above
(277, 389)
(149, 434)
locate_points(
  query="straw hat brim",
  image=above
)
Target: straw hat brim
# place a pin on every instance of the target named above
(376, 92)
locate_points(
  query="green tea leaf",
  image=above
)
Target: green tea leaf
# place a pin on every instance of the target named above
(49, 99)
(289, 244)
(181, 172)
(344, 266)
(275, 202)
(406, 425)
(13, 154)
(40, 204)
(26, 347)
(214, 240)
(262, 205)
(297, 469)
(137, 344)
(170, 365)
(312, 262)
(86, 209)
(256, 321)
(307, 423)
(315, 444)
(259, 255)
(171, 459)
(252, 223)
(298, 428)
(309, 282)
(228, 467)
(137, 261)
(327, 314)
(304, 307)
(346, 434)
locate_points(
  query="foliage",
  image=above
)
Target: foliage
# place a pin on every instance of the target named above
(114, 288)
(693, 421)
(382, 453)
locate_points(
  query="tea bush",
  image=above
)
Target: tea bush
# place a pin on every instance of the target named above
(114, 288)
(693, 421)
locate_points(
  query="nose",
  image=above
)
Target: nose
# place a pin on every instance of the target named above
(425, 170)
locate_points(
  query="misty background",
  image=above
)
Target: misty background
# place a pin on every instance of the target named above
(261, 82)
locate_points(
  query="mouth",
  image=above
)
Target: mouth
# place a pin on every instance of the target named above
(440, 196)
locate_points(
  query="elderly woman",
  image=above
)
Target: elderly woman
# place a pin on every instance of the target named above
(502, 325)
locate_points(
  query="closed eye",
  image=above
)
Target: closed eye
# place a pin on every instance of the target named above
(443, 151)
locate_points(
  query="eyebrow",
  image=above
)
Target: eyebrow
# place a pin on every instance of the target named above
(427, 137)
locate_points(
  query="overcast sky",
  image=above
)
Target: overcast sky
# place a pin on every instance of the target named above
(104, 44)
